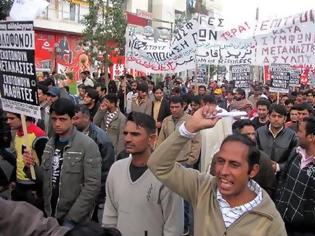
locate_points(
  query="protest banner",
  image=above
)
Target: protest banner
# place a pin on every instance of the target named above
(241, 76)
(223, 46)
(205, 40)
(280, 77)
(148, 55)
(18, 85)
(295, 76)
(287, 40)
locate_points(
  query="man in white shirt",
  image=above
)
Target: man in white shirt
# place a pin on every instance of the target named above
(131, 95)
(84, 76)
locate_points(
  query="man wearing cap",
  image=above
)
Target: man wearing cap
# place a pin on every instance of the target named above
(52, 95)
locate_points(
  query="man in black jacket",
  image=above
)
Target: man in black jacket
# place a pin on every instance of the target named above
(82, 121)
(276, 140)
(265, 177)
(160, 107)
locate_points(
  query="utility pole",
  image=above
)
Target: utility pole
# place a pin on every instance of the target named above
(197, 8)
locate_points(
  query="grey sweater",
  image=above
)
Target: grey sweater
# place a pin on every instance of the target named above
(140, 206)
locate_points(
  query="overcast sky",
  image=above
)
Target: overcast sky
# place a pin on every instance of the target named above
(238, 10)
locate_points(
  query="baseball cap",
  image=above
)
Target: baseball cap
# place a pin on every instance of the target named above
(54, 91)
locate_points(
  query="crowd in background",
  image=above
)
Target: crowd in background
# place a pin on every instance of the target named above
(81, 140)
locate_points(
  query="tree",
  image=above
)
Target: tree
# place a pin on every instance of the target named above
(5, 7)
(105, 27)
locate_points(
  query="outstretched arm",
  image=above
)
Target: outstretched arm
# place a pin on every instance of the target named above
(163, 161)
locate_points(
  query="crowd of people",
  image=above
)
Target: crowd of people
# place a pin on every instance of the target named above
(133, 157)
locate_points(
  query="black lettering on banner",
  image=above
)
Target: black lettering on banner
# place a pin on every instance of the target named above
(295, 77)
(241, 75)
(207, 34)
(280, 77)
(18, 84)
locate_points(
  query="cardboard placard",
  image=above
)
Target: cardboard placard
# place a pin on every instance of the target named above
(241, 75)
(280, 77)
(18, 84)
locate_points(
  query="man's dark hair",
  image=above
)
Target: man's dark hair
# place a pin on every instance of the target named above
(63, 106)
(92, 228)
(229, 91)
(82, 108)
(305, 106)
(5, 131)
(143, 87)
(244, 122)
(263, 102)
(289, 101)
(48, 82)
(241, 92)
(177, 99)
(151, 82)
(310, 91)
(294, 94)
(27, 118)
(278, 108)
(157, 88)
(196, 99)
(186, 99)
(102, 86)
(43, 87)
(253, 154)
(66, 87)
(209, 99)
(134, 82)
(45, 74)
(295, 107)
(176, 90)
(143, 120)
(309, 125)
(112, 98)
(86, 72)
(202, 86)
(81, 86)
(92, 93)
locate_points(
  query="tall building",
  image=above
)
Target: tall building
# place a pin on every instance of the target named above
(58, 35)
(161, 13)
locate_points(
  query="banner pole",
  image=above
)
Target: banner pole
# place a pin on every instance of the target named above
(27, 144)
(278, 97)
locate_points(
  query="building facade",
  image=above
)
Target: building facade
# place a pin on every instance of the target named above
(58, 35)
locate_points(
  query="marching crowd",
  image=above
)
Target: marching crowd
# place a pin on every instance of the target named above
(135, 158)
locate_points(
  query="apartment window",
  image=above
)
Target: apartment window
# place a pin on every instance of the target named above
(79, 14)
(72, 11)
(150, 5)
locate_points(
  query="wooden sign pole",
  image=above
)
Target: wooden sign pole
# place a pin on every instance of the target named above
(278, 97)
(27, 144)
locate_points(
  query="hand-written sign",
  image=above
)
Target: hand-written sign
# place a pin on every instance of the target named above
(280, 77)
(145, 54)
(18, 84)
(218, 45)
(287, 40)
(206, 40)
(241, 75)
